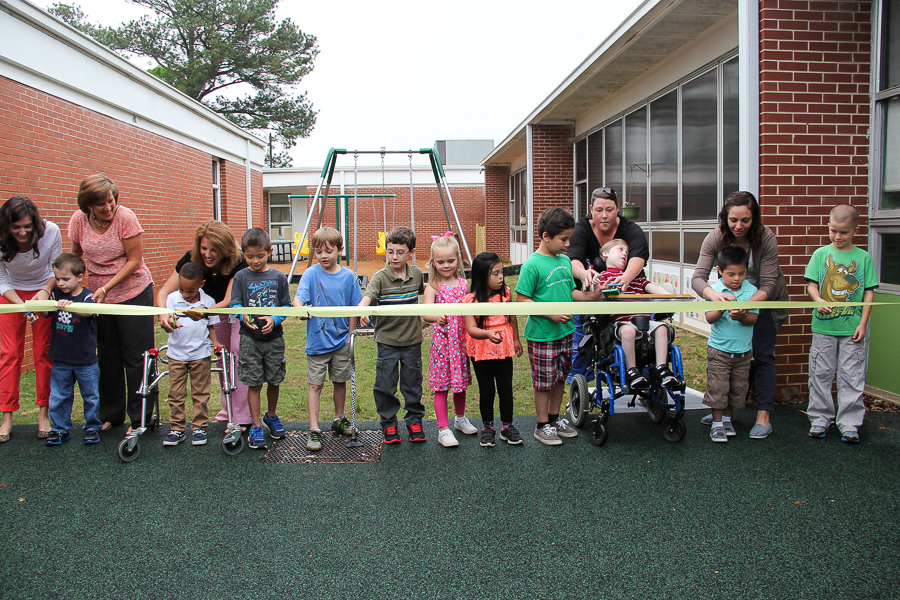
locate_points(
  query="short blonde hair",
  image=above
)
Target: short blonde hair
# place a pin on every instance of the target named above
(444, 242)
(612, 244)
(844, 213)
(94, 189)
(327, 235)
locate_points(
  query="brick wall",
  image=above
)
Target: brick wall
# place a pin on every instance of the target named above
(814, 119)
(48, 145)
(552, 150)
(429, 216)
(496, 208)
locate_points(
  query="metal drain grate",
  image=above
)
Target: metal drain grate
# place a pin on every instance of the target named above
(292, 449)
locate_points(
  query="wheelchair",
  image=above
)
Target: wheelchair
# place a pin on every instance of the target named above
(606, 358)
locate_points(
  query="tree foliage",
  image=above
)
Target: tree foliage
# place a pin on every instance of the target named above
(202, 47)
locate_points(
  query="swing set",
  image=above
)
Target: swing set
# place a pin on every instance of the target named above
(440, 178)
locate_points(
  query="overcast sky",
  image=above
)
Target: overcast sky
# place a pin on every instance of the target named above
(403, 74)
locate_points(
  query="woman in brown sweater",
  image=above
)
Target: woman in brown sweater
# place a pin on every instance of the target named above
(740, 224)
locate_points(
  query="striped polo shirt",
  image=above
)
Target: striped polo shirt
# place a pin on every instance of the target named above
(386, 289)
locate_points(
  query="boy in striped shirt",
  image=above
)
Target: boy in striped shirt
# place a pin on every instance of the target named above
(399, 339)
(615, 253)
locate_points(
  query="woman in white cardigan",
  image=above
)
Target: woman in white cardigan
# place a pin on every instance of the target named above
(28, 247)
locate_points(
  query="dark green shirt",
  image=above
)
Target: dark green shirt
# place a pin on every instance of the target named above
(386, 289)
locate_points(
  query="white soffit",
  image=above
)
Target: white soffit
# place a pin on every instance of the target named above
(654, 31)
(44, 53)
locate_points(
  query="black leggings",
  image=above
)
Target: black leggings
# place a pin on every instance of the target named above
(486, 371)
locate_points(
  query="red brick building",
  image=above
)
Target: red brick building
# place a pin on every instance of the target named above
(69, 108)
(689, 100)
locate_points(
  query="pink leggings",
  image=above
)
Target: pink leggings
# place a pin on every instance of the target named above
(440, 406)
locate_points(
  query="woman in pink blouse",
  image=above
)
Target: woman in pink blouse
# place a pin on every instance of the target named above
(110, 239)
(28, 247)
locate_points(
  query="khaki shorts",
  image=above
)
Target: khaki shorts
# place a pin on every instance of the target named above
(261, 362)
(727, 379)
(337, 363)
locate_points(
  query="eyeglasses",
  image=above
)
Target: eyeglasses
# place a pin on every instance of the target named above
(397, 253)
(607, 193)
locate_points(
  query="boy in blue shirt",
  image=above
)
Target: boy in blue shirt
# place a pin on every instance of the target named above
(261, 358)
(729, 348)
(73, 350)
(327, 283)
(839, 272)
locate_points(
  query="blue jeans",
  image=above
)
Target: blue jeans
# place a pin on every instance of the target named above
(581, 365)
(62, 395)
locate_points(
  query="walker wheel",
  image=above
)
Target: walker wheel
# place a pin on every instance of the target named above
(128, 455)
(674, 430)
(233, 448)
(597, 433)
(579, 401)
(654, 406)
(154, 423)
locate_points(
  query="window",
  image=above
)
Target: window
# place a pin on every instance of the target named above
(666, 245)
(699, 148)
(730, 128)
(613, 153)
(595, 161)
(280, 223)
(664, 157)
(518, 207)
(581, 199)
(216, 190)
(636, 166)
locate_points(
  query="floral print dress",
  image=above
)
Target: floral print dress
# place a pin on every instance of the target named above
(449, 363)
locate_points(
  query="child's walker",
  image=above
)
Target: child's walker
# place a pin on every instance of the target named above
(232, 443)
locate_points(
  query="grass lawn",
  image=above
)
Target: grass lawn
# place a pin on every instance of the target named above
(292, 402)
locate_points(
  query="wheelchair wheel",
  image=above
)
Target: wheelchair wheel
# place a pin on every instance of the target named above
(655, 409)
(128, 455)
(579, 401)
(597, 433)
(674, 430)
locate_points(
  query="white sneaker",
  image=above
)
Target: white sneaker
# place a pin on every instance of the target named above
(462, 424)
(447, 439)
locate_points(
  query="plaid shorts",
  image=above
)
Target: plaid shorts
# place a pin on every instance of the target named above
(550, 362)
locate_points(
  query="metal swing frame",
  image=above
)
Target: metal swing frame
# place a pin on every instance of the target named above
(327, 174)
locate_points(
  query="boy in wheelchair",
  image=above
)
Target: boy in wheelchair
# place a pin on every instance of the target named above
(615, 253)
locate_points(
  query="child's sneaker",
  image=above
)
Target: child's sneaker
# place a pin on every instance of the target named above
(817, 431)
(487, 437)
(198, 437)
(547, 435)
(256, 438)
(55, 438)
(717, 434)
(314, 440)
(511, 435)
(340, 425)
(850, 437)
(564, 430)
(273, 425)
(729, 429)
(390, 435)
(91, 436)
(463, 424)
(174, 438)
(636, 379)
(416, 434)
(447, 439)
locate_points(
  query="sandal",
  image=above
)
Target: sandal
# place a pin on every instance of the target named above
(5, 438)
(106, 426)
(43, 435)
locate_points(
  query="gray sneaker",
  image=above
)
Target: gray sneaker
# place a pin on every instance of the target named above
(760, 432)
(707, 420)
(564, 429)
(717, 434)
(314, 440)
(850, 437)
(729, 429)
(817, 431)
(547, 435)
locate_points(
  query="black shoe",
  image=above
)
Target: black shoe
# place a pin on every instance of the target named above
(91, 437)
(390, 435)
(55, 438)
(487, 437)
(416, 434)
(636, 379)
(665, 377)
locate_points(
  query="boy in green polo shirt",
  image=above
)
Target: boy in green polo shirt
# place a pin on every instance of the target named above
(398, 339)
(839, 272)
(547, 277)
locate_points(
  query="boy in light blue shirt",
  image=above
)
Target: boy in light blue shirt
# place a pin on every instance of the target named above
(729, 348)
(327, 283)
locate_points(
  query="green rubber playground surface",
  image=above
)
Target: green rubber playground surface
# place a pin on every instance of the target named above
(786, 517)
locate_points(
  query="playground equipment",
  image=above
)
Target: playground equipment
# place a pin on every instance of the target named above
(325, 183)
(232, 443)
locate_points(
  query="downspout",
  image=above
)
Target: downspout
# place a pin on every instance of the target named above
(529, 198)
(249, 191)
(748, 92)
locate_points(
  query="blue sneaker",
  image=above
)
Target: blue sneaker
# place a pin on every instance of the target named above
(273, 425)
(256, 439)
(58, 437)
(91, 436)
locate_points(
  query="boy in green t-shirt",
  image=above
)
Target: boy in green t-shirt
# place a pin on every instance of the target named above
(839, 272)
(547, 277)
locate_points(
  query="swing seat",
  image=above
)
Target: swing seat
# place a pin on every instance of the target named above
(379, 247)
(304, 251)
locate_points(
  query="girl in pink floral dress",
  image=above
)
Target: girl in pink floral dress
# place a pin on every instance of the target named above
(449, 363)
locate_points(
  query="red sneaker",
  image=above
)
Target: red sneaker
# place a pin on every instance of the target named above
(390, 435)
(415, 432)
